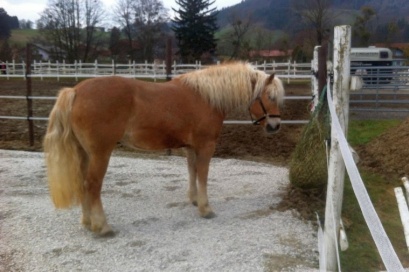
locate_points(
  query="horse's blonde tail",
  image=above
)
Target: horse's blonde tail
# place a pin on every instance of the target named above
(65, 158)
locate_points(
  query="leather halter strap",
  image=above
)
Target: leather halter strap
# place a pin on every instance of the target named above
(258, 120)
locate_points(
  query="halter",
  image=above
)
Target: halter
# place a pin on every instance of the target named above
(257, 121)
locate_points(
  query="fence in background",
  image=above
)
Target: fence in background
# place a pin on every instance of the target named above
(157, 70)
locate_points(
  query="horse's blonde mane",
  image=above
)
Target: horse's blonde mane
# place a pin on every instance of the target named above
(232, 85)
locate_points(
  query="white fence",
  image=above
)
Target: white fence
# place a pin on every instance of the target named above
(340, 158)
(287, 70)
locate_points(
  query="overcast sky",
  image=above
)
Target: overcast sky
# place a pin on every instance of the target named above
(30, 9)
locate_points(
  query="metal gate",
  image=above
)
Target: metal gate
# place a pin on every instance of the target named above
(385, 90)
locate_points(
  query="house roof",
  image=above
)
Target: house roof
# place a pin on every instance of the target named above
(270, 53)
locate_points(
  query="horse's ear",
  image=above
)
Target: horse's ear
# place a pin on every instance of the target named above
(270, 79)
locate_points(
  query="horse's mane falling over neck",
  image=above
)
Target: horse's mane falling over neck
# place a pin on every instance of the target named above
(230, 86)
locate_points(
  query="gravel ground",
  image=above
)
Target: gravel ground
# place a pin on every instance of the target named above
(156, 229)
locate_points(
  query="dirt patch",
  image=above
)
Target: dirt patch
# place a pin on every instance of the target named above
(388, 154)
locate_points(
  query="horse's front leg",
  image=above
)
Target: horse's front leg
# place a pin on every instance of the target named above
(203, 158)
(191, 166)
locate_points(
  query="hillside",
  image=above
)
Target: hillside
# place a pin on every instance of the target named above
(280, 14)
(21, 37)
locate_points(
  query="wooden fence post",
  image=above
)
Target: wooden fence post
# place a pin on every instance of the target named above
(322, 65)
(168, 59)
(28, 94)
(336, 169)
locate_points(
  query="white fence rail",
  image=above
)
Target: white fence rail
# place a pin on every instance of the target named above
(287, 70)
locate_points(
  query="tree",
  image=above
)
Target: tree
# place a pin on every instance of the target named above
(70, 26)
(362, 27)
(93, 15)
(26, 24)
(150, 17)
(114, 42)
(5, 29)
(125, 17)
(194, 28)
(317, 14)
(239, 29)
(142, 21)
(5, 51)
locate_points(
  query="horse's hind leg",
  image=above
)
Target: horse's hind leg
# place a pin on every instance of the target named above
(93, 212)
(191, 165)
(203, 158)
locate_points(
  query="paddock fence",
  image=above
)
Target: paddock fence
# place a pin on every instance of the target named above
(332, 237)
(156, 70)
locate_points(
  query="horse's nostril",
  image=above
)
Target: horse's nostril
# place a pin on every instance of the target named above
(272, 128)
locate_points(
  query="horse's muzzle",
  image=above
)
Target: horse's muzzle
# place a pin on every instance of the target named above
(272, 126)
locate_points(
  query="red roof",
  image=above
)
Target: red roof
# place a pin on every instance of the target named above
(270, 53)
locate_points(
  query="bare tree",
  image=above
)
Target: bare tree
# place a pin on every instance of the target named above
(150, 17)
(142, 22)
(237, 35)
(92, 17)
(123, 13)
(262, 38)
(363, 26)
(70, 26)
(318, 14)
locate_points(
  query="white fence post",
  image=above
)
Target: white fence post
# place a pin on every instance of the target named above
(404, 212)
(288, 71)
(314, 78)
(57, 64)
(336, 169)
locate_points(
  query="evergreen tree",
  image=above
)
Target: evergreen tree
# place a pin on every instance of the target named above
(194, 27)
(5, 29)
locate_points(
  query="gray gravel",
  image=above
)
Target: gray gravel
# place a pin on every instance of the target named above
(156, 229)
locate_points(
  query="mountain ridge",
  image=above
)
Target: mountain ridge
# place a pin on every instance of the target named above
(280, 14)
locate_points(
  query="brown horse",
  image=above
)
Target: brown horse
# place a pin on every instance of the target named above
(87, 122)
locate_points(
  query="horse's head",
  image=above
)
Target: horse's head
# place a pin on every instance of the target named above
(265, 107)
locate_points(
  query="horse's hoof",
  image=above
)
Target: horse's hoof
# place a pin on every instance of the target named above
(209, 215)
(106, 231)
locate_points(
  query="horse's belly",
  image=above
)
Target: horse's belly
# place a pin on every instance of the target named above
(150, 140)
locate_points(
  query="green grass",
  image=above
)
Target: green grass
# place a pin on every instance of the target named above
(362, 254)
(363, 131)
(21, 37)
